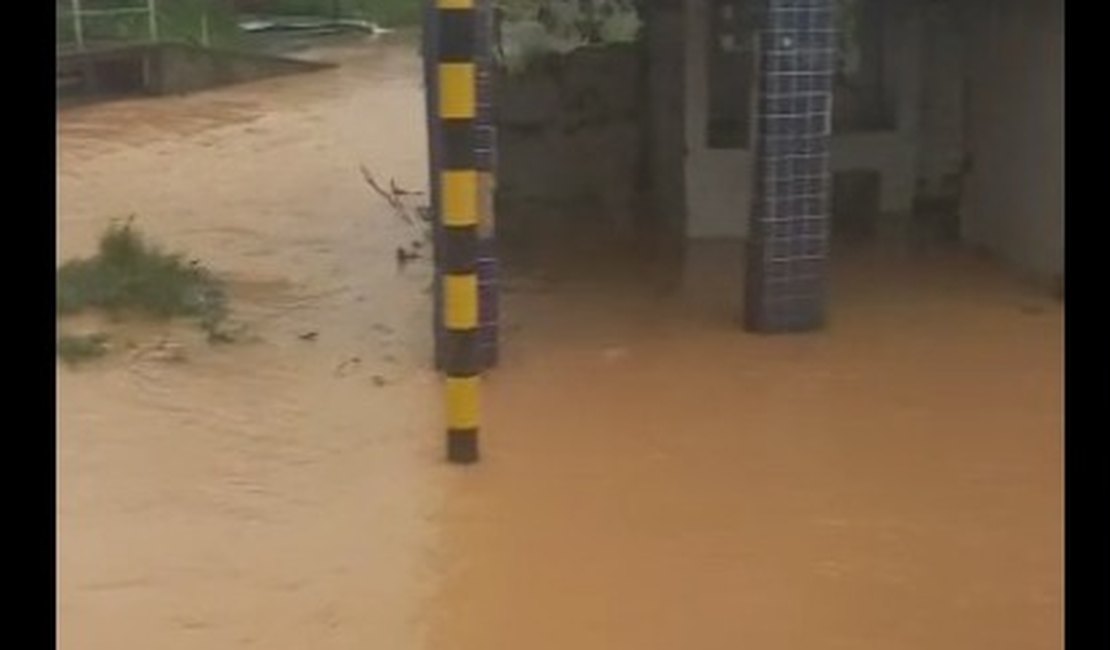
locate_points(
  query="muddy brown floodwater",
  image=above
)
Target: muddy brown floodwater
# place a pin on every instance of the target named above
(653, 476)
(277, 493)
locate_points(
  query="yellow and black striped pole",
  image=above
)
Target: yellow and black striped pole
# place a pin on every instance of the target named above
(462, 202)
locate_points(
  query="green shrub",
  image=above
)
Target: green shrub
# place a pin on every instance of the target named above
(73, 349)
(130, 274)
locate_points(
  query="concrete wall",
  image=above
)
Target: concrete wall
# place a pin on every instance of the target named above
(666, 91)
(570, 140)
(976, 86)
(166, 68)
(718, 181)
(942, 150)
(1013, 200)
(185, 68)
(892, 152)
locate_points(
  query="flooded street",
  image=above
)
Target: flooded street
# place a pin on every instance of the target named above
(653, 477)
(275, 493)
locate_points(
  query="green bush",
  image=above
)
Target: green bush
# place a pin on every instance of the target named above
(182, 20)
(130, 274)
(73, 349)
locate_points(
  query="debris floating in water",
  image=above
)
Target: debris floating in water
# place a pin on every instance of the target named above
(404, 257)
(345, 367)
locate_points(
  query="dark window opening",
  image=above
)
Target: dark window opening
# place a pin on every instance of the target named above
(731, 59)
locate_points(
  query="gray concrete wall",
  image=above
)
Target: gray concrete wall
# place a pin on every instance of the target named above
(971, 81)
(892, 152)
(718, 181)
(185, 68)
(942, 148)
(570, 139)
(1013, 201)
(165, 68)
(666, 93)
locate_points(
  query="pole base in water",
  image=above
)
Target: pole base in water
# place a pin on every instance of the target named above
(462, 446)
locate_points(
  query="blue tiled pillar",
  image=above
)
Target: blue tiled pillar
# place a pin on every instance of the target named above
(787, 248)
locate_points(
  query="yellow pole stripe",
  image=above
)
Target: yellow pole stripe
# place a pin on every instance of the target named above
(459, 193)
(458, 91)
(460, 301)
(455, 4)
(462, 402)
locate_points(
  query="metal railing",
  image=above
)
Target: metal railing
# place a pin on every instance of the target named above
(81, 23)
(78, 15)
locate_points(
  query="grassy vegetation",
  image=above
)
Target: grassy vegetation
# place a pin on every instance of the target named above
(73, 349)
(128, 274)
(184, 21)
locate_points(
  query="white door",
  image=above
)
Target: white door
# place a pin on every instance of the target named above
(720, 124)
